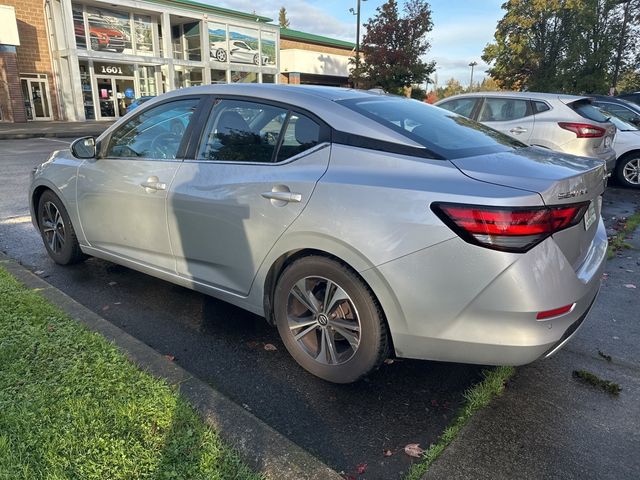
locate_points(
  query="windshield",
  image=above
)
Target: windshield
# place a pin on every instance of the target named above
(445, 133)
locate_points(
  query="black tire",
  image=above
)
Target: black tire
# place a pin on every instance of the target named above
(373, 346)
(630, 164)
(66, 250)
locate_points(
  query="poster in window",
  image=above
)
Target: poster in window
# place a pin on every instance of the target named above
(268, 48)
(243, 46)
(218, 42)
(144, 34)
(109, 30)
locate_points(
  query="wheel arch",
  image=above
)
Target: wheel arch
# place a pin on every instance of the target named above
(287, 258)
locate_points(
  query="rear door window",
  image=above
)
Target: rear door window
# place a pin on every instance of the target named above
(504, 109)
(619, 110)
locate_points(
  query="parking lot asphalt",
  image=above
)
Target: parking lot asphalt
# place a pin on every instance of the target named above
(546, 425)
(344, 426)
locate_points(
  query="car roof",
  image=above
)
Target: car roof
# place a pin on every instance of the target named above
(533, 95)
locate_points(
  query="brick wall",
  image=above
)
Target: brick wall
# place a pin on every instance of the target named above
(289, 44)
(33, 52)
(11, 103)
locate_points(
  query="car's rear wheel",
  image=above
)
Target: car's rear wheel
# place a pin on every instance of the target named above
(329, 320)
(628, 171)
(57, 232)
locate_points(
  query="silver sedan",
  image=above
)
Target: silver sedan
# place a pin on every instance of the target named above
(363, 226)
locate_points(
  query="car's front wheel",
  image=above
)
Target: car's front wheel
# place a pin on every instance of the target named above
(329, 320)
(628, 171)
(57, 232)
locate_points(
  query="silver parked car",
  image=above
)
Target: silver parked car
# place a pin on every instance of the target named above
(361, 225)
(565, 123)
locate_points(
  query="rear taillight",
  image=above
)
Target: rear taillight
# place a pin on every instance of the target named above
(583, 130)
(508, 229)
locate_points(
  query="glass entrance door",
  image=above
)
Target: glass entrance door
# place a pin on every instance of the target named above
(115, 94)
(107, 97)
(36, 98)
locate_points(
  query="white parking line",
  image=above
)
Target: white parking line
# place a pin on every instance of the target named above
(54, 140)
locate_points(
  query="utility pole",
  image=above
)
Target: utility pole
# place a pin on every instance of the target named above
(472, 64)
(357, 14)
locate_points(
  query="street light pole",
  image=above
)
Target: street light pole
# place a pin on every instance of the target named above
(472, 64)
(357, 14)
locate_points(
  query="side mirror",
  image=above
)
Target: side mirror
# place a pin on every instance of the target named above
(84, 147)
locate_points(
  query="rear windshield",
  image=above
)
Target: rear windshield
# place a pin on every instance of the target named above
(585, 109)
(445, 133)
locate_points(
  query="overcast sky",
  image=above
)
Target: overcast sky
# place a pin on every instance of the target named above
(461, 28)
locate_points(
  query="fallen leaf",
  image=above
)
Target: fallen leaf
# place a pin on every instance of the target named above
(389, 361)
(117, 303)
(413, 450)
(105, 308)
(252, 344)
(387, 453)
(629, 285)
(50, 328)
(171, 358)
(111, 284)
(361, 468)
(434, 403)
(270, 347)
(39, 272)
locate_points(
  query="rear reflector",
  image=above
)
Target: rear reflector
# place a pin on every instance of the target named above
(556, 312)
(583, 130)
(508, 229)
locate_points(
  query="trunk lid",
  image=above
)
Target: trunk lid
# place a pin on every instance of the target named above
(558, 178)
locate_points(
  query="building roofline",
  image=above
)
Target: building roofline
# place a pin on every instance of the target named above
(205, 7)
(288, 33)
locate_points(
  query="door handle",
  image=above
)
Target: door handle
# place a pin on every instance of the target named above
(283, 196)
(517, 130)
(153, 184)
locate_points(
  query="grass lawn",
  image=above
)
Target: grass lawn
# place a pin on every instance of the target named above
(72, 406)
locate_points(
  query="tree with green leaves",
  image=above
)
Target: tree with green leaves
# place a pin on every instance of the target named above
(282, 18)
(573, 46)
(393, 47)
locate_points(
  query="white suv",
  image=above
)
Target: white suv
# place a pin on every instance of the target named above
(566, 123)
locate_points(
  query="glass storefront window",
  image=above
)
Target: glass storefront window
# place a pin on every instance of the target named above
(268, 78)
(160, 42)
(143, 34)
(176, 42)
(78, 26)
(188, 76)
(147, 81)
(192, 41)
(244, 77)
(268, 42)
(243, 45)
(218, 42)
(218, 76)
(87, 94)
(109, 30)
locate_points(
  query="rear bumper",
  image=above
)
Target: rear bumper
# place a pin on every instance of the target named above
(448, 314)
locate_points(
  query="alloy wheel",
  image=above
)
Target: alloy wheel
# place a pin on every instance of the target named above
(323, 320)
(631, 171)
(53, 227)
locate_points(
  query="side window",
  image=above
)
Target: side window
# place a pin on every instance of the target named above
(301, 134)
(241, 131)
(539, 107)
(503, 109)
(154, 134)
(461, 106)
(623, 112)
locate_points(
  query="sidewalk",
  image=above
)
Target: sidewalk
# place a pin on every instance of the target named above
(10, 131)
(548, 424)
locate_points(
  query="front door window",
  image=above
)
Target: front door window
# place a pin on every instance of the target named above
(115, 94)
(36, 98)
(106, 95)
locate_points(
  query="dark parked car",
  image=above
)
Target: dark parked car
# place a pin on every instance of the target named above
(631, 97)
(618, 106)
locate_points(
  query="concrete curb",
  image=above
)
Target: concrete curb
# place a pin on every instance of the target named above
(259, 445)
